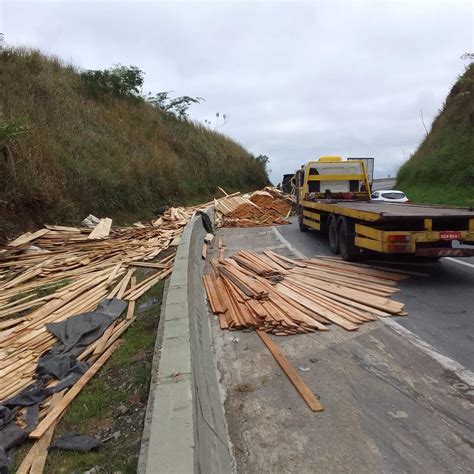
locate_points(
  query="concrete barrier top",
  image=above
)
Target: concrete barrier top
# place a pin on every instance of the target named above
(185, 430)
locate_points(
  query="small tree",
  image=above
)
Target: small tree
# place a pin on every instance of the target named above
(263, 160)
(119, 80)
(177, 107)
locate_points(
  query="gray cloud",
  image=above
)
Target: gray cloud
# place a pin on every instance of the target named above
(298, 80)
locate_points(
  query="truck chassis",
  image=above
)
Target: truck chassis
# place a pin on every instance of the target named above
(420, 230)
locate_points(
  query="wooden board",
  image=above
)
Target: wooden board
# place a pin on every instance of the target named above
(35, 460)
(101, 230)
(291, 373)
(25, 238)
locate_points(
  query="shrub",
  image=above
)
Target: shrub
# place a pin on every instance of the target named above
(121, 81)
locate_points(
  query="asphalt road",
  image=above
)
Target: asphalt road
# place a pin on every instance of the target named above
(390, 404)
(440, 307)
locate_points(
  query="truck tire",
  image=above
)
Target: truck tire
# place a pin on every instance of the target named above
(333, 234)
(324, 229)
(346, 237)
(303, 227)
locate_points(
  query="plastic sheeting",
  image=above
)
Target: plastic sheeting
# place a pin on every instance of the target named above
(90, 221)
(206, 222)
(74, 335)
(77, 332)
(75, 442)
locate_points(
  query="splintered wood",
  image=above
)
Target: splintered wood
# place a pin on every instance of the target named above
(57, 272)
(283, 296)
(261, 208)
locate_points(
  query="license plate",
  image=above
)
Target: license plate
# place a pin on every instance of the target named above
(450, 235)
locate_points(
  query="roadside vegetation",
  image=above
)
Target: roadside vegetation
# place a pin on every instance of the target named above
(112, 406)
(442, 169)
(75, 142)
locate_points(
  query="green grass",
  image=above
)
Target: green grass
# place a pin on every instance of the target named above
(49, 289)
(446, 195)
(44, 290)
(101, 154)
(442, 169)
(124, 380)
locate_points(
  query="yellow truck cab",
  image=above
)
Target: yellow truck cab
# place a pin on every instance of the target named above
(333, 196)
(333, 177)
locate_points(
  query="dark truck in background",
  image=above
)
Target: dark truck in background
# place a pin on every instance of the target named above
(286, 183)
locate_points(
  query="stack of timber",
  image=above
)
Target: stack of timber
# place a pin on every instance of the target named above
(52, 274)
(230, 203)
(261, 208)
(272, 201)
(284, 296)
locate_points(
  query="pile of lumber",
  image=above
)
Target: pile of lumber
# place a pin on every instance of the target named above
(261, 208)
(271, 201)
(283, 296)
(57, 272)
(230, 203)
(174, 214)
(250, 216)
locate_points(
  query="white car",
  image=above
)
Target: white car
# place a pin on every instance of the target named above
(389, 195)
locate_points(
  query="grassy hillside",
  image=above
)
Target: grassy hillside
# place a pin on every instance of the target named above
(99, 153)
(442, 169)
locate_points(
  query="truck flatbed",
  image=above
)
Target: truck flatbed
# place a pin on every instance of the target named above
(333, 196)
(380, 211)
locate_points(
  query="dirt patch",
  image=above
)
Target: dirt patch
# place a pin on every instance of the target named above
(244, 387)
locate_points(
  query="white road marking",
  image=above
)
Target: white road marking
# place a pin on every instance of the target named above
(451, 259)
(449, 364)
(287, 244)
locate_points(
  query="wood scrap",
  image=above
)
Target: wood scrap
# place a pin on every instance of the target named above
(291, 373)
(150, 265)
(208, 238)
(76, 273)
(101, 230)
(28, 237)
(35, 460)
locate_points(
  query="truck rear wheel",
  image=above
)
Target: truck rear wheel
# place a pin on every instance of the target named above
(333, 235)
(346, 234)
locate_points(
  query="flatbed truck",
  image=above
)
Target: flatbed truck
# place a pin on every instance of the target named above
(333, 197)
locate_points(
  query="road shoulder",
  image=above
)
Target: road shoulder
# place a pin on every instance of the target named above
(389, 406)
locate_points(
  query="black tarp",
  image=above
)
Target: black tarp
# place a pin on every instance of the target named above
(75, 442)
(206, 222)
(77, 332)
(74, 335)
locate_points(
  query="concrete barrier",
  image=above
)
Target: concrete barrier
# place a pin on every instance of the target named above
(185, 429)
(384, 183)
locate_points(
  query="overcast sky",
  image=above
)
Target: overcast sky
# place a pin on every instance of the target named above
(297, 80)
